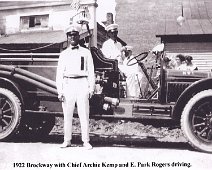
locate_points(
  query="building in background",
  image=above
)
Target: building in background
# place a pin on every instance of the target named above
(23, 16)
(26, 25)
(190, 33)
(141, 20)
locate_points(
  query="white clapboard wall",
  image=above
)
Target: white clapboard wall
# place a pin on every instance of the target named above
(200, 51)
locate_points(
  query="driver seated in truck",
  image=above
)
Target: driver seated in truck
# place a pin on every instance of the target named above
(111, 48)
(133, 74)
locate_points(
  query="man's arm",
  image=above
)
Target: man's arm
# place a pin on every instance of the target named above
(91, 74)
(59, 76)
(106, 50)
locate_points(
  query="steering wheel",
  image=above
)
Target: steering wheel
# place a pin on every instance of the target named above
(138, 58)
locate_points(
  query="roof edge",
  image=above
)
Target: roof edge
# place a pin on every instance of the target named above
(42, 4)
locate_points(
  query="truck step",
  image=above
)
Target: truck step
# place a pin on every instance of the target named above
(136, 109)
(152, 109)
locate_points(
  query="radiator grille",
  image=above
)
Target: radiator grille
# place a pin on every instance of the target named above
(174, 90)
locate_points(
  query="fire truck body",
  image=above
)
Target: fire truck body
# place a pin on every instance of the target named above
(29, 104)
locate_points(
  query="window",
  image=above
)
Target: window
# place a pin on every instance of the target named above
(34, 21)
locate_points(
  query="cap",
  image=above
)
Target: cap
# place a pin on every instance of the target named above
(73, 28)
(129, 47)
(112, 27)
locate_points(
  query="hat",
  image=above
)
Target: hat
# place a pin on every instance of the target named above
(129, 47)
(73, 28)
(112, 27)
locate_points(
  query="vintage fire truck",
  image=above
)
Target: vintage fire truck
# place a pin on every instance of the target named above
(29, 103)
(178, 96)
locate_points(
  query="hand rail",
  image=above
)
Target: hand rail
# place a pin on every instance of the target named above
(29, 54)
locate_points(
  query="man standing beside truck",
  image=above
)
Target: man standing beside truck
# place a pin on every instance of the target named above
(75, 82)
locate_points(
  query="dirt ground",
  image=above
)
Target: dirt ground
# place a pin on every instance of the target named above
(126, 128)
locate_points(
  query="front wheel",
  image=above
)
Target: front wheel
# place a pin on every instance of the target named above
(196, 121)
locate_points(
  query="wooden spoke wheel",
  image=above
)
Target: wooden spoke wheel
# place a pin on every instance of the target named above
(10, 113)
(196, 121)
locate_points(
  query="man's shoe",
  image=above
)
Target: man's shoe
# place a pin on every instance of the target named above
(87, 146)
(65, 145)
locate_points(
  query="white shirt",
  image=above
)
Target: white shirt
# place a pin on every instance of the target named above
(134, 76)
(133, 69)
(182, 66)
(73, 63)
(112, 49)
(191, 67)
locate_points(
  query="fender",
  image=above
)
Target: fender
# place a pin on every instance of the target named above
(15, 87)
(187, 94)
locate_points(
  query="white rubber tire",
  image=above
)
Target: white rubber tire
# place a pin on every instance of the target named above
(195, 141)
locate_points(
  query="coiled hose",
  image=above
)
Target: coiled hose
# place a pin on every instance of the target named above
(32, 78)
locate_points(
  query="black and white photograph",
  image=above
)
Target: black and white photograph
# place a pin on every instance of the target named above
(105, 84)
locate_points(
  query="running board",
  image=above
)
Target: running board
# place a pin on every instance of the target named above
(152, 109)
(127, 111)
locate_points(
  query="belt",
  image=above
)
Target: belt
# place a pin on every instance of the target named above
(75, 77)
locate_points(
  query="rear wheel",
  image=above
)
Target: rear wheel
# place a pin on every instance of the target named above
(10, 113)
(196, 121)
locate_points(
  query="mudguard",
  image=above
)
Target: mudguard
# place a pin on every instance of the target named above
(14, 87)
